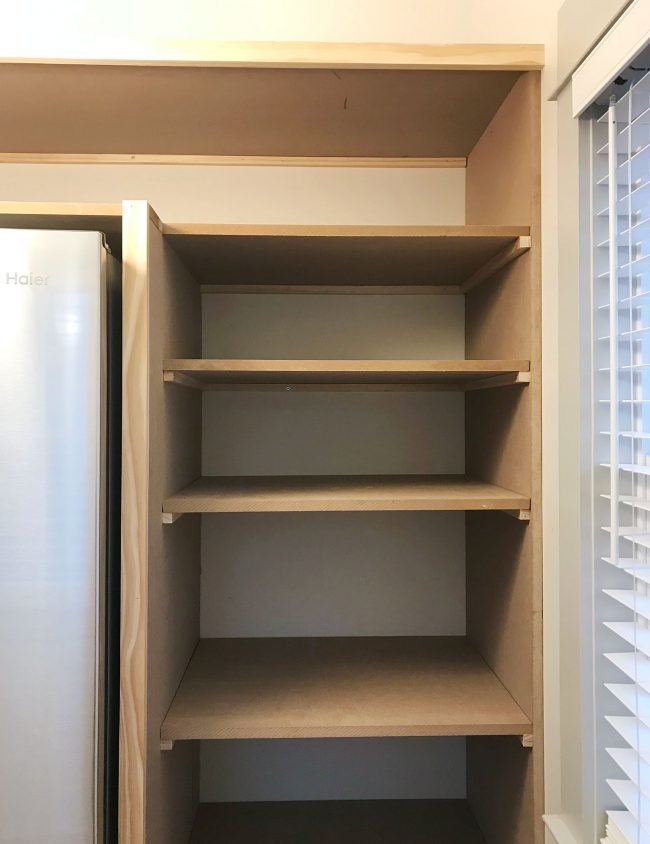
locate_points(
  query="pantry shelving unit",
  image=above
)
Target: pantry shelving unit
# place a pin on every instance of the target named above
(354, 105)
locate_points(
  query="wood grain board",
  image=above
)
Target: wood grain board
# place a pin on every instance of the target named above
(203, 372)
(457, 162)
(340, 255)
(173, 608)
(206, 52)
(265, 494)
(337, 822)
(503, 445)
(135, 525)
(339, 687)
(241, 111)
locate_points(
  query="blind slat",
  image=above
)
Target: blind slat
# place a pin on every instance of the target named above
(633, 665)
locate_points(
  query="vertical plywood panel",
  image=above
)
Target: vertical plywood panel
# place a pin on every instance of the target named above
(500, 784)
(135, 523)
(497, 426)
(504, 560)
(499, 599)
(174, 551)
(502, 167)
(160, 567)
(499, 311)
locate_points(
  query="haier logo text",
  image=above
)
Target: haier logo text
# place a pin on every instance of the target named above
(26, 279)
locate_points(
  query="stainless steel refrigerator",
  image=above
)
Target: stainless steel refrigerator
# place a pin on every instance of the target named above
(59, 537)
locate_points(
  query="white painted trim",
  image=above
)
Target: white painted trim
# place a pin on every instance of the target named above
(559, 829)
(627, 37)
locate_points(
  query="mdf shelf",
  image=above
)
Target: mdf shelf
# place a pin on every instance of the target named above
(339, 687)
(310, 493)
(337, 822)
(314, 374)
(259, 258)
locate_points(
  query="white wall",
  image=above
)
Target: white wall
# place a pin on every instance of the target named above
(333, 769)
(563, 585)
(194, 194)
(36, 24)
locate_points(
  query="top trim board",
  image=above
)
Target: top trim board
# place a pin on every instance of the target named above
(286, 54)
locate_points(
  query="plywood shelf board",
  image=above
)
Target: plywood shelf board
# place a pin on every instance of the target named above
(339, 687)
(337, 822)
(205, 373)
(343, 257)
(504, 597)
(341, 493)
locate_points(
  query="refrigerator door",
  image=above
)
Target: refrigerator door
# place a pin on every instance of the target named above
(51, 535)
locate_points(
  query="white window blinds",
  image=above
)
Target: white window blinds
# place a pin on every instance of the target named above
(621, 387)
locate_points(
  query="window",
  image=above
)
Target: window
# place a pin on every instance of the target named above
(620, 140)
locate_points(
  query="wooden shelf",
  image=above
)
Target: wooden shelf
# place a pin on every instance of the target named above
(448, 259)
(339, 687)
(319, 374)
(337, 822)
(296, 493)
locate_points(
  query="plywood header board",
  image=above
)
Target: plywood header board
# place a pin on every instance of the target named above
(251, 111)
(255, 102)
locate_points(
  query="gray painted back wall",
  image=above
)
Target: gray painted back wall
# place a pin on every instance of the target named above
(333, 574)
